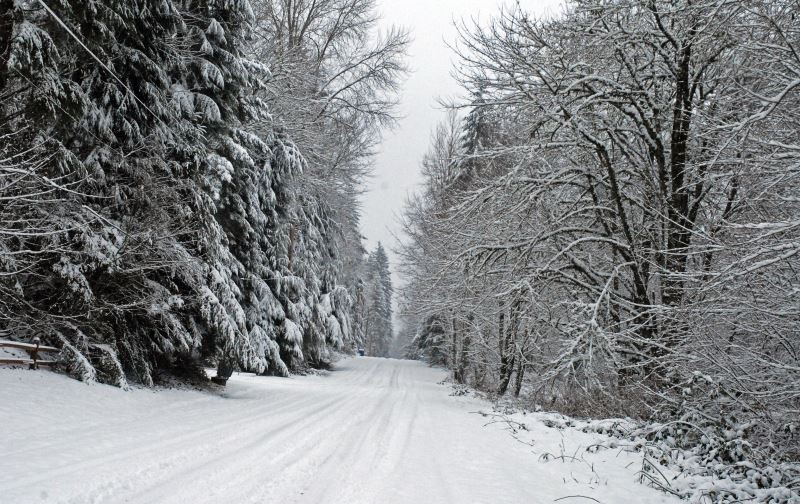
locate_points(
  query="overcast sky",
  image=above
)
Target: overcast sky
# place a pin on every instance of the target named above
(397, 165)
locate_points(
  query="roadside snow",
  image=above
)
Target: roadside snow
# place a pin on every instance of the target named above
(373, 431)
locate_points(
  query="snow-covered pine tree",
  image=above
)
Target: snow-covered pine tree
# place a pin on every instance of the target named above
(316, 244)
(278, 282)
(379, 327)
(167, 244)
(315, 302)
(114, 270)
(246, 165)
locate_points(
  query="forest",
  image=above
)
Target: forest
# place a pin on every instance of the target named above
(608, 224)
(179, 182)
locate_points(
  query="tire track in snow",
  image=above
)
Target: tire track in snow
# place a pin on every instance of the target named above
(373, 431)
(232, 447)
(364, 442)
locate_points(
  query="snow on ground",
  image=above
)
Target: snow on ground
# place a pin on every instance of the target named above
(373, 431)
(12, 353)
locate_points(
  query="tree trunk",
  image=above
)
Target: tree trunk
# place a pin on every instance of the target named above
(463, 360)
(6, 24)
(679, 224)
(501, 339)
(506, 369)
(453, 357)
(225, 368)
(511, 345)
(520, 375)
(507, 354)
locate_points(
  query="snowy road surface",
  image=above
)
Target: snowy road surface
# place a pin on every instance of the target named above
(374, 431)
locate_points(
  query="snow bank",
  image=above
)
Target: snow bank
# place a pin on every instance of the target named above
(657, 463)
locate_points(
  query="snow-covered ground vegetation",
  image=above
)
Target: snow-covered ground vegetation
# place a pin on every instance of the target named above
(666, 461)
(610, 225)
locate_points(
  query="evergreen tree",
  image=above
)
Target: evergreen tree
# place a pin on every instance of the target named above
(90, 86)
(164, 241)
(379, 329)
(332, 62)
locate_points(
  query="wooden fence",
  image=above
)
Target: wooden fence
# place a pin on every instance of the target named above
(33, 349)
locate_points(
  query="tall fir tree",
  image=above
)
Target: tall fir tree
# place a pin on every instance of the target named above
(379, 328)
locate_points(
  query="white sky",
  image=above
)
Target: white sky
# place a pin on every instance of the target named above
(430, 60)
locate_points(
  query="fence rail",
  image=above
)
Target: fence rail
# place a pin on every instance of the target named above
(33, 349)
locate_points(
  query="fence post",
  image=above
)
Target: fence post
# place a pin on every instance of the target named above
(35, 353)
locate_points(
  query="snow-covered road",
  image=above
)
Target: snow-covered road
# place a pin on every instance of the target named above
(376, 431)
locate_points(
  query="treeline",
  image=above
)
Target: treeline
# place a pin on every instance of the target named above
(179, 179)
(610, 224)
(376, 316)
